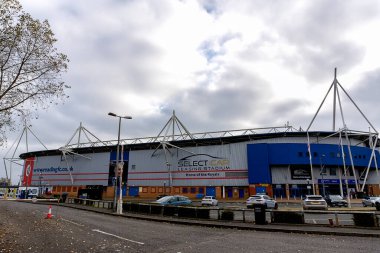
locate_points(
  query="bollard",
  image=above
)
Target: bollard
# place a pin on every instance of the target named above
(336, 219)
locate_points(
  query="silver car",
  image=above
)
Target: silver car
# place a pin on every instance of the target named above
(314, 202)
(370, 201)
(261, 199)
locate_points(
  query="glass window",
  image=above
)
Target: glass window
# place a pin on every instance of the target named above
(332, 171)
(184, 190)
(193, 190)
(201, 190)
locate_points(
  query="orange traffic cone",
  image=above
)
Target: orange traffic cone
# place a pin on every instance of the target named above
(49, 215)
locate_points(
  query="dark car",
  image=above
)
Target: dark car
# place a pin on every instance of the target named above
(336, 200)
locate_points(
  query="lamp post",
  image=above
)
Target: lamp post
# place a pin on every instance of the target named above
(40, 189)
(322, 174)
(118, 167)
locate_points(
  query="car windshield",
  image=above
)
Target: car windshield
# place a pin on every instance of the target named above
(315, 198)
(257, 197)
(336, 197)
(208, 197)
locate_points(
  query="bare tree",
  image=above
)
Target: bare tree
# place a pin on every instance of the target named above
(30, 66)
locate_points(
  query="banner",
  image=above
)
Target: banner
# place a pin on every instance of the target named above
(28, 171)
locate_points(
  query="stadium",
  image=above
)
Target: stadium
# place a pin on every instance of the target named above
(283, 162)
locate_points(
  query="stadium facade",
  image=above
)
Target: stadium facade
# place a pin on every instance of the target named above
(281, 162)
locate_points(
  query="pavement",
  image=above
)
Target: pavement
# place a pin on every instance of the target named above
(270, 227)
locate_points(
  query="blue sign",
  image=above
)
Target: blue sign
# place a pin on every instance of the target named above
(335, 181)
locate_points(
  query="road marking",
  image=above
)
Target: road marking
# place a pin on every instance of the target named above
(72, 222)
(119, 237)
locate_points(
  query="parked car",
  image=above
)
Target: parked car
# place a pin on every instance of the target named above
(261, 199)
(336, 200)
(377, 204)
(209, 201)
(314, 202)
(369, 201)
(161, 196)
(176, 200)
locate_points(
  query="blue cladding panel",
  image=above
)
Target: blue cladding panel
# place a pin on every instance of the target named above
(133, 191)
(258, 164)
(262, 156)
(210, 191)
(113, 156)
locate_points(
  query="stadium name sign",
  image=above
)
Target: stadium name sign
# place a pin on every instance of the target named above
(207, 163)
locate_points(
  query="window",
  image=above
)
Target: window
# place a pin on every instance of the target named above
(332, 171)
(193, 190)
(184, 190)
(201, 190)
(153, 190)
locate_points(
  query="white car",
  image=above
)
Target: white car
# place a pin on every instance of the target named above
(314, 202)
(209, 201)
(370, 201)
(261, 199)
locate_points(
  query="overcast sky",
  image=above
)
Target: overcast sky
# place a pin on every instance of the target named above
(220, 65)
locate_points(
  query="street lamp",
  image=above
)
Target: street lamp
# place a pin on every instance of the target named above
(322, 173)
(40, 190)
(118, 166)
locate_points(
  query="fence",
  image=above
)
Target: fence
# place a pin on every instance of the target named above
(332, 218)
(91, 202)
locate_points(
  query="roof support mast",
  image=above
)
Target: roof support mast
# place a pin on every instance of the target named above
(336, 99)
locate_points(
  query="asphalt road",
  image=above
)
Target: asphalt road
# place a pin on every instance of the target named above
(23, 228)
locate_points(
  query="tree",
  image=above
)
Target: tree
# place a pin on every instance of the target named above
(30, 66)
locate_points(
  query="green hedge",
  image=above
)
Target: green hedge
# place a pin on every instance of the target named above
(187, 212)
(170, 210)
(288, 217)
(365, 220)
(203, 213)
(135, 207)
(126, 206)
(227, 215)
(144, 208)
(156, 209)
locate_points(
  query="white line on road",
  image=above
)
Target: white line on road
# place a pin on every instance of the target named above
(72, 222)
(122, 238)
